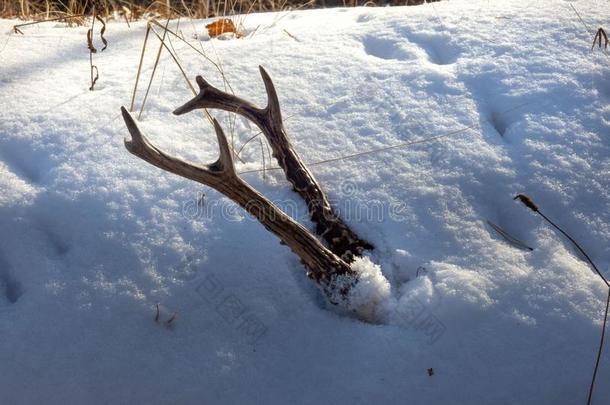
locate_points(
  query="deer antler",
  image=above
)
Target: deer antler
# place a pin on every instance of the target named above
(323, 265)
(340, 238)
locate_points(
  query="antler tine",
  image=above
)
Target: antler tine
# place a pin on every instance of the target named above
(211, 174)
(225, 161)
(211, 97)
(197, 101)
(201, 82)
(273, 102)
(137, 141)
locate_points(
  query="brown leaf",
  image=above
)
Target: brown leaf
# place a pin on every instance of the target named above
(90, 41)
(221, 26)
(104, 41)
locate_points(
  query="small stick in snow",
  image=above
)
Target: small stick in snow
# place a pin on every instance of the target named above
(152, 75)
(263, 154)
(188, 82)
(65, 17)
(158, 313)
(510, 239)
(135, 87)
(598, 38)
(292, 36)
(527, 201)
(172, 319)
(90, 46)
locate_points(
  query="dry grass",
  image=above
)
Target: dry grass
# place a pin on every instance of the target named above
(136, 9)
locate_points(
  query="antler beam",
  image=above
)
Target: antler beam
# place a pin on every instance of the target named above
(340, 238)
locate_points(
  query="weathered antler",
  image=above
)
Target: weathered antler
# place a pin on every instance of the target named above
(324, 266)
(340, 238)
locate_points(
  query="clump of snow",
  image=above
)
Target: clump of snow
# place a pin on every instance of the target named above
(373, 299)
(368, 296)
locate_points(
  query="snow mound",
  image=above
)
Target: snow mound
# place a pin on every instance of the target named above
(368, 297)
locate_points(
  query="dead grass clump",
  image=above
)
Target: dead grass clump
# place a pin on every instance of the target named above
(131, 10)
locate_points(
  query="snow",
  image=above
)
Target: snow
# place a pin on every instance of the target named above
(93, 238)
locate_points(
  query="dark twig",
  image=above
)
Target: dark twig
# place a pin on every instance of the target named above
(90, 45)
(599, 35)
(92, 50)
(102, 31)
(172, 319)
(599, 351)
(65, 17)
(532, 206)
(509, 238)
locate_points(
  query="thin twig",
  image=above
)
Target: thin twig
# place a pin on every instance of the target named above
(188, 82)
(65, 17)
(599, 351)
(396, 146)
(291, 36)
(263, 153)
(135, 87)
(92, 50)
(599, 36)
(153, 72)
(256, 135)
(163, 44)
(527, 201)
(580, 18)
(511, 239)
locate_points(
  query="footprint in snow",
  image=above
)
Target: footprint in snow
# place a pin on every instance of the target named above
(10, 287)
(23, 160)
(385, 48)
(438, 47)
(365, 18)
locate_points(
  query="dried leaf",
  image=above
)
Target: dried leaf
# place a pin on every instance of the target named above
(97, 76)
(102, 31)
(220, 27)
(90, 41)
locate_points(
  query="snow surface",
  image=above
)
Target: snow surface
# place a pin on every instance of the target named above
(93, 238)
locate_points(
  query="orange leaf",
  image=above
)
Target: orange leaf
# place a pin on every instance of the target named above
(220, 27)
